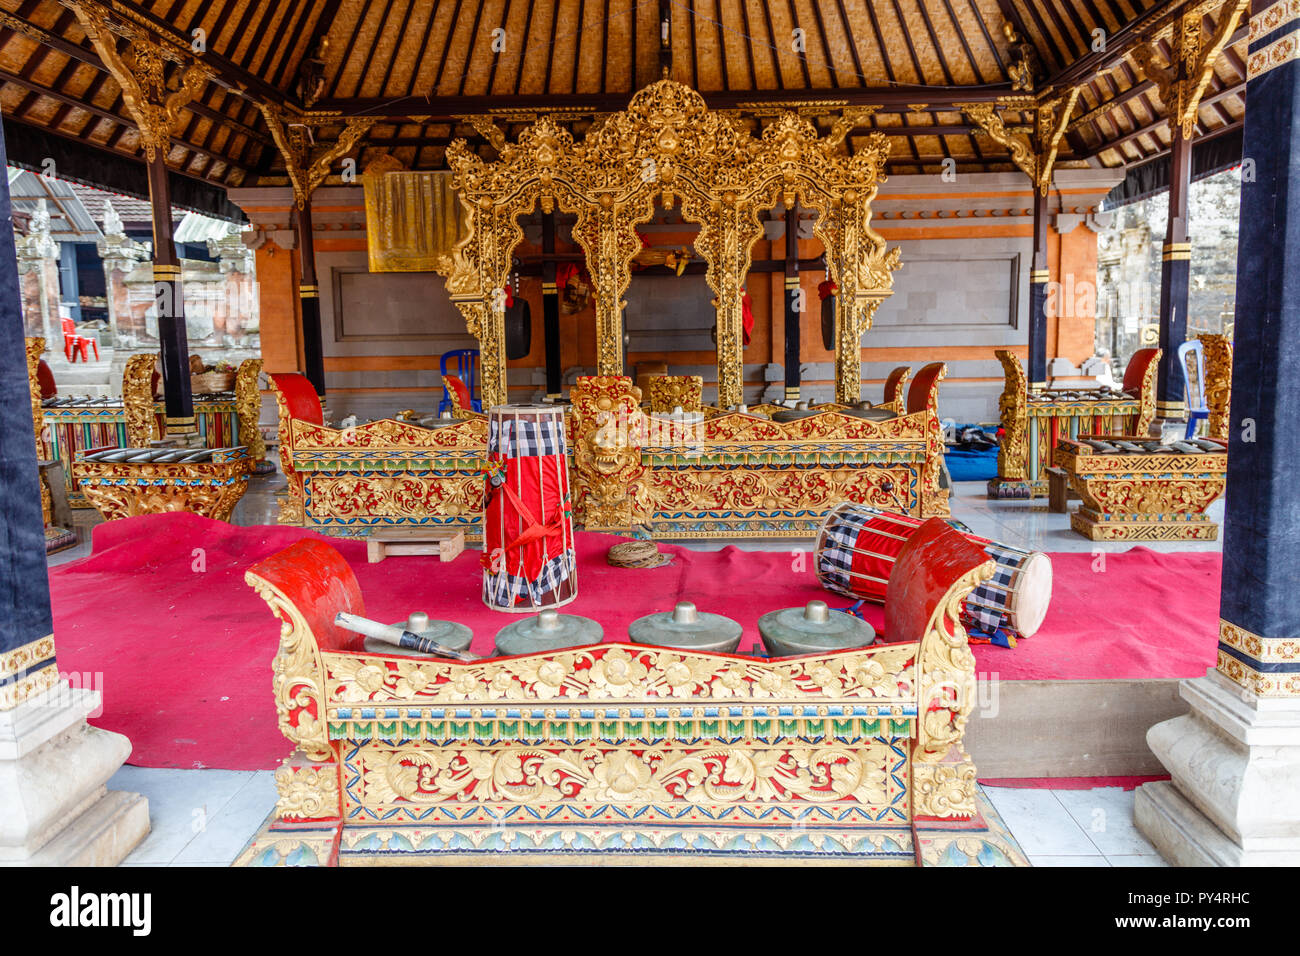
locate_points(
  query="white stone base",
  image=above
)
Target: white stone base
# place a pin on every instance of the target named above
(1234, 799)
(54, 808)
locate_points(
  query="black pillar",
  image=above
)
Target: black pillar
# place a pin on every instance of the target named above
(1036, 367)
(550, 310)
(169, 302)
(25, 620)
(1175, 269)
(794, 304)
(1261, 542)
(309, 294)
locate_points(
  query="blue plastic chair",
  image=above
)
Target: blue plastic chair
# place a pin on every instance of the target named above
(463, 363)
(1191, 356)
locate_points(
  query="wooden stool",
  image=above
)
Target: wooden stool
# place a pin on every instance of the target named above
(1058, 490)
(402, 541)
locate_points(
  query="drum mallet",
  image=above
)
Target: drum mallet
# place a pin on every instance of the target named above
(399, 637)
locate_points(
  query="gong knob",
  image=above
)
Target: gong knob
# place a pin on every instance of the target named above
(817, 612)
(417, 621)
(685, 613)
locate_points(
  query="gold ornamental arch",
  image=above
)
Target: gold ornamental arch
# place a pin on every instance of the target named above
(669, 146)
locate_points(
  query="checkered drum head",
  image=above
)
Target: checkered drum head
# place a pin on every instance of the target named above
(858, 544)
(529, 559)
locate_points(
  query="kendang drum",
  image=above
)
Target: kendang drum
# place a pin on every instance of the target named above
(529, 559)
(858, 544)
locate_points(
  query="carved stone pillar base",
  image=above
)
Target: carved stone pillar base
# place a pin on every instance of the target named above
(54, 807)
(1234, 799)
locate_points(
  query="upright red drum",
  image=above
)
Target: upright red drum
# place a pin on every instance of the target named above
(529, 558)
(858, 544)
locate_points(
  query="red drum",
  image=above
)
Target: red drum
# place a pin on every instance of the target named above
(529, 558)
(858, 544)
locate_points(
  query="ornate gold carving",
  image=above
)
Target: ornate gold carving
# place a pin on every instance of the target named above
(883, 674)
(291, 506)
(307, 791)
(1181, 84)
(248, 407)
(307, 164)
(137, 400)
(669, 147)
(126, 489)
(36, 346)
(1152, 497)
(1218, 383)
(407, 776)
(26, 656)
(1147, 397)
(943, 773)
(139, 71)
(934, 498)
(1013, 407)
(1033, 150)
(608, 429)
(676, 391)
(299, 676)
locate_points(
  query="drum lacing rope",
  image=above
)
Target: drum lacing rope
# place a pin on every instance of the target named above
(637, 554)
(535, 530)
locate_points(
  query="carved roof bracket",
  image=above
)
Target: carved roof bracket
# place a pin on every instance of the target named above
(153, 103)
(308, 164)
(1182, 82)
(1033, 149)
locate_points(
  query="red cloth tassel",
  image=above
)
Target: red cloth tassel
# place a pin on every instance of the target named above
(747, 315)
(827, 289)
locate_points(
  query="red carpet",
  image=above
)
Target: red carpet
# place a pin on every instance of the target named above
(160, 610)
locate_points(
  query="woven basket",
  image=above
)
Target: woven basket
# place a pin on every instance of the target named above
(210, 382)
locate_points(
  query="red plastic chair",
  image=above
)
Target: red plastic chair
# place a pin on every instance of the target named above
(74, 343)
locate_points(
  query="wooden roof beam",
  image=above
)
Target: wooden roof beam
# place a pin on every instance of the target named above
(887, 99)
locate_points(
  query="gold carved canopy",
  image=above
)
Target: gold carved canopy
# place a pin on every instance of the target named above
(413, 221)
(667, 146)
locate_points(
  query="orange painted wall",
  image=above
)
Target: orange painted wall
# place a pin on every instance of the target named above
(281, 321)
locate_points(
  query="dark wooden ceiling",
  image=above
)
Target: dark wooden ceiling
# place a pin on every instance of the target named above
(419, 65)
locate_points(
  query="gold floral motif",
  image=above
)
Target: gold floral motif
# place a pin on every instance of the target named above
(1013, 454)
(1218, 383)
(396, 495)
(137, 400)
(307, 792)
(292, 505)
(675, 391)
(1147, 397)
(653, 775)
(154, 101)
(298, 675)
(126, 489)
(248, 408)
(615, 672)
(608, 429)
(36, 346)
(668, 147)
(1146, 497)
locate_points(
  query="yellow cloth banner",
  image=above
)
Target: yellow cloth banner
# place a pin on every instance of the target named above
(413, 221)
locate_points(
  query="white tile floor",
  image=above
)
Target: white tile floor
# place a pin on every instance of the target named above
(204, 817)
